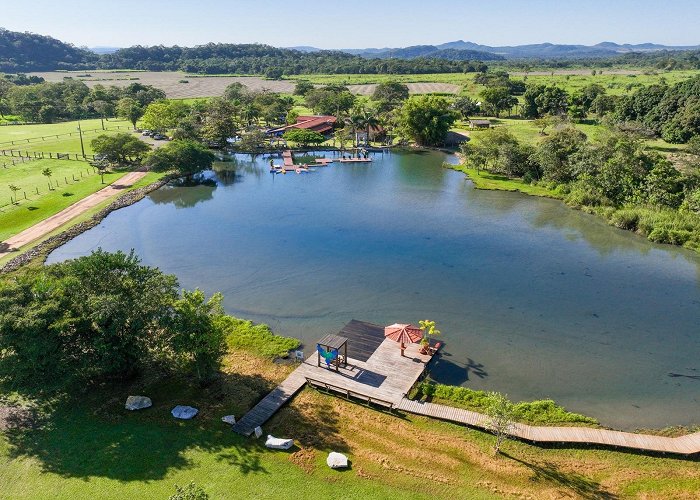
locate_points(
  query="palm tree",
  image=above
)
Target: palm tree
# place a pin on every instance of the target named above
(371, 121)
(356, 122)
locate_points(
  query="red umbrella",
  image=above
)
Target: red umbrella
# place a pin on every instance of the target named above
(404, 333)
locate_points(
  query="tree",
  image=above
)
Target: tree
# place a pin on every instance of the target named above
(129, 109)
(466, 106)
(664, 185)
(389, 95)
(198, 337)
(542, 123)
(91, 318)
(184, 157)
(303, 136)
(426, 119)
(236, 91)
(342, 135)
(252, 140)
(274, 73)
(165, 114)
(48, 173)
(694, 145)
(500, 411)
(497, 99)
(555, 153)
(119, 148)
(429, 330)
(218, 121)
(303, 87)
(13, 190)
(330, 100)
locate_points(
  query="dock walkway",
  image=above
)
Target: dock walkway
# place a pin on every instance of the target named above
(377, 373)
(684, 445)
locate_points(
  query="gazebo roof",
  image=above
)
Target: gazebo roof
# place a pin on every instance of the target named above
(333, 341)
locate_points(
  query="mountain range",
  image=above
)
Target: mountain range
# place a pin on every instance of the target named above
(469, 50)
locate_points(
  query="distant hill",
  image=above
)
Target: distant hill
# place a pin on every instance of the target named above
(31, 52)
(531, 51)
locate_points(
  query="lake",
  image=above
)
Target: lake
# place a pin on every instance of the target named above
(533, 299)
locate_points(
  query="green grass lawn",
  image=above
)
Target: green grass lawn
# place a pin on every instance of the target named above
(42, 137)
(88, 446)
(144, 181)
(485, 180)
(37, 207)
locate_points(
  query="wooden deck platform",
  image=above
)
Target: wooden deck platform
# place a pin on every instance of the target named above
(377, 373)
(684, 445)
(384, 377)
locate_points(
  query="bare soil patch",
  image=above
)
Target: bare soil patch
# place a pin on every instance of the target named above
(211, 86)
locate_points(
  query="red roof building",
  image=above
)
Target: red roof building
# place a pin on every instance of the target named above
(321, 124)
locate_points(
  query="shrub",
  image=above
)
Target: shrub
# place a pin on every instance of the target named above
(258, 338)
(534, 412)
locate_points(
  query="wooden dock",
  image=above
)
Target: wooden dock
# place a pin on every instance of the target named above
(377, 373)
(384, 377)
(683, 445)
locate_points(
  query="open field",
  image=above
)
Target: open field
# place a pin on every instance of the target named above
(149, 178)
(62, 137)
(94, 448)
(210, 86)
(72, 181)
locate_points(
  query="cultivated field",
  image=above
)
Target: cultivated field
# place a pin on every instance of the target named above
(208, 86)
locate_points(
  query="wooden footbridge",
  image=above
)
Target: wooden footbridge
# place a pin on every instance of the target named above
(376, 373)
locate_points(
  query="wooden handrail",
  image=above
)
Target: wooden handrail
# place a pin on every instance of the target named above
(349, 393)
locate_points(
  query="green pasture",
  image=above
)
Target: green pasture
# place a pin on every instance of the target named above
(71, 181)
(60, 137)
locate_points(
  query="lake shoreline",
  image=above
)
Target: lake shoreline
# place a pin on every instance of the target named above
(496, 182)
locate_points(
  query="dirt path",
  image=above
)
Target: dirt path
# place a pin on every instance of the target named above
(49, 224)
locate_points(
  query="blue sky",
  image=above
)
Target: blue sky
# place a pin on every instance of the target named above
(355, 23)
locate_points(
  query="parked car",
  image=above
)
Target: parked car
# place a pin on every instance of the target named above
(146, 133)
(159, 137)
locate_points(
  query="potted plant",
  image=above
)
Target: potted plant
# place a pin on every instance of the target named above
(429, 330)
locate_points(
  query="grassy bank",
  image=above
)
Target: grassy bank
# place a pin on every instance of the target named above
(658, 225)
(542, 412)
(485, 180)
(86, 445)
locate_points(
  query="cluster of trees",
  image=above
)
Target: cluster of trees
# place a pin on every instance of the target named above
(102, 317)
(673, 112)
(616, 170)
(669, 111)
(274, 62)
(47, 102)
(31, 52)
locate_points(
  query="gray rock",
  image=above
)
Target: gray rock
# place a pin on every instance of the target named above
(229, 419)
(337, 460)
(184, 412)
(138, 403)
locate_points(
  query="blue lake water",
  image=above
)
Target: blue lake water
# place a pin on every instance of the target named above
(533, 299)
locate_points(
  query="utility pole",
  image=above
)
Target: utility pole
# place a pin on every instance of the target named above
(82, 146)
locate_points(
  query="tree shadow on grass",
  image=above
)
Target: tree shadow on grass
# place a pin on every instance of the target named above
(97, 437)
(577, 483)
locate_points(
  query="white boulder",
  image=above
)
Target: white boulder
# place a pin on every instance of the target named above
(138, 403)
(258, 431)
(229, 419)
(184, 412)
(337, 460)
(277, 443)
